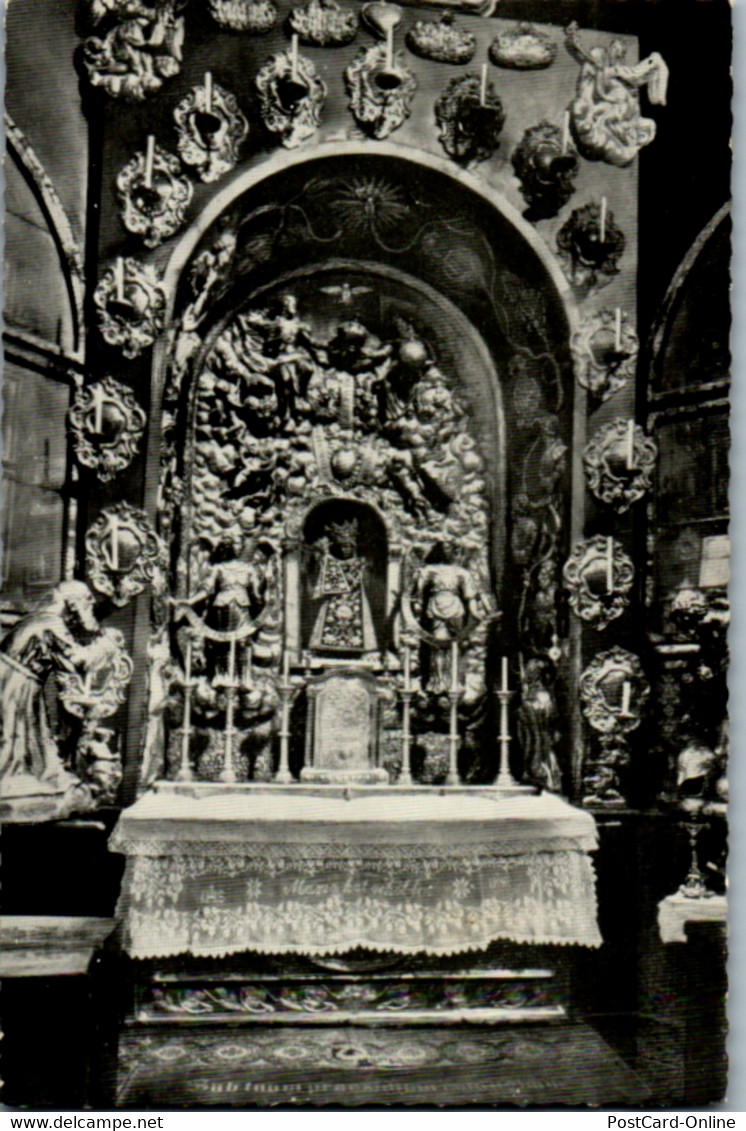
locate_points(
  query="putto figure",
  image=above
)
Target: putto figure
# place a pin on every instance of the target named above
(605, 114)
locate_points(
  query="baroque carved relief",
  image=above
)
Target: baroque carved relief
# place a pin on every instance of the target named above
(154, 195)
(291, 96)
(210, 129)
(442, 40)
(123, 553)
(381, 90)
(604, 351)
(470, 118)
(590, 246)
(107, 425)
(523, 48)
(598, 576)
(322, 23)
(253, 16)
(131, 304)
(135, 57)
(619, 462)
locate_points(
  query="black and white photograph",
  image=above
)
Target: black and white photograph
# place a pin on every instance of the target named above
(364, 604)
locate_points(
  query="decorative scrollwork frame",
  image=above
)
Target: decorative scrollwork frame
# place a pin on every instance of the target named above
(470, 118)
(322, 23)
(381, 90)
(107, 425)
(598, 576)
(523, 48)
(619, 462)
(256, 17)
(100, 691)
(210, 129)
(608, 707)
(154, 200)
(604, 351)
(131, 304)
(291, 97)
(442, 41)
(123, 553)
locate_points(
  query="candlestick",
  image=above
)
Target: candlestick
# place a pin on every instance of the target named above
(248, 666)
(505, 779)
(454, 666)
(294, 58)
(618, 329)
(228, 772)
(149, 156)
(504, 674)
(565, 132)
(405, 774)
(483, 86)
(185, 769)
(609, 565)
(626, 694)
(208, 92)
(119, 278)
(602, 232)
(630, 445)
(390, 47)
(114, 556)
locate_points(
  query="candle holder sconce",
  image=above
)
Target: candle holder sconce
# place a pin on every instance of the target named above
(107, 425)
(256, 17)
(123, 553)
(442, 41)
(604, 350)
(470, 118)
(322, 23)
(131, 304)
(590, 246)
(619, 462)
(546, 165)
(523, 48)
(154, 195)
(381, 90)
(613, 692)
(598, 576)
(291, 97)
(210, 129)
(98, 692)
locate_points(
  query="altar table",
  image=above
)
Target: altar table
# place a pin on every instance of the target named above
(297, 871)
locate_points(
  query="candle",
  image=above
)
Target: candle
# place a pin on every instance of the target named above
(626, 692)
(565, 132)
(114, 527)
(390, 46)
(285, 666)
(618, 329)
(630, 445)
(248, 671)
(407, 668)
(602, 234)
(504, 674)
(483, 86)
(232, 660)
(188, 662)
(208, 92)
(149, 155)
(294, 58)
(609, 565)
(97, 395)
(119, 278)
(454, 666)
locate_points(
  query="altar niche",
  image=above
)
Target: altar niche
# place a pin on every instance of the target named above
(331, 507)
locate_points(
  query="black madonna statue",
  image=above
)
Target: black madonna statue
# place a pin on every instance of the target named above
(343, 620)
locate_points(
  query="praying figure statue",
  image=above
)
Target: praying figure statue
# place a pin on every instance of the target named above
(449, 601)
(60, 635)
(605, 113)
(344, 621)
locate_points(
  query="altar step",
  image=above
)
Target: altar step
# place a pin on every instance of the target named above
(543, 1065)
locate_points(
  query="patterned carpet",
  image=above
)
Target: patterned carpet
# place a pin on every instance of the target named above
(538, 1065)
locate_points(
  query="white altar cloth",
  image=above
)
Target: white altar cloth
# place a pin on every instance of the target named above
(298, 871)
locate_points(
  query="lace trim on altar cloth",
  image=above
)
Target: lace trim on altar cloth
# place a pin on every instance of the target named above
(215, 906)
(310, 854)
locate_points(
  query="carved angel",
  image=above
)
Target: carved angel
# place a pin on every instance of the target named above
(605, 114)
(134, 57)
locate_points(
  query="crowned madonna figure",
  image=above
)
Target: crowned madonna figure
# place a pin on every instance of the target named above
(344, 621)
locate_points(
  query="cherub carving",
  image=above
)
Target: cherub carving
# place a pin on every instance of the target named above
(135, 57)
(605, 114)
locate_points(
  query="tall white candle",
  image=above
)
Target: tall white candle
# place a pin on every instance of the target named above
(454, 666)
(602, 233)
(565, 132)
(390, 47)
(97, 394)
(208, 92)
(609, 565)
(149, 156)
(232, 660)
(483, 86)
(285, 666)
(114, 527)
(618, 329)
(188, 661)
(504, 674)
(626, 693)
(630, 444)
(119, 278)
(407, 668)
(294, 58)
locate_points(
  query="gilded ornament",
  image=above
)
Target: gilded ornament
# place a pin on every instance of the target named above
(604, 351)
(154, 195)
(100, 690)
(107, 425)
(136, 56)
(131, 304)
(605, 114)
(470, 118)
(291, 96)
(619, 462)
(253, 16)
(598, 576)
(123, 553)
(322, 23)
(613, 691)
(381, 89)
(590, 246)
(210, 129)
(523, 48)
(441, 40)
(546, 166)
